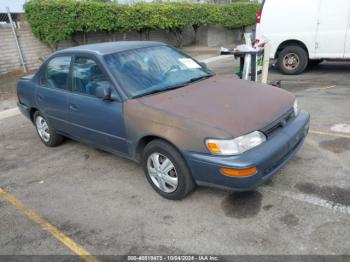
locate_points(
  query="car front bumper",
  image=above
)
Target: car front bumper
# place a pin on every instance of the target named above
(268, 158)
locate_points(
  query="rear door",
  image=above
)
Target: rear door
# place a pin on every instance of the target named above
(333, 23)
(92, 119)
(52, 91)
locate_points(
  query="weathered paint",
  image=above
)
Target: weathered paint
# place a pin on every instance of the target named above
(216, 108)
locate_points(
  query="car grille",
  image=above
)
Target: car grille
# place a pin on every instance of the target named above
(279, 123)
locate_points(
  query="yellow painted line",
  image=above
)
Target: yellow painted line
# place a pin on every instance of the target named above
(73, 246)
(316, 132)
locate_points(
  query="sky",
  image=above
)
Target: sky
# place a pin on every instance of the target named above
(15, 6)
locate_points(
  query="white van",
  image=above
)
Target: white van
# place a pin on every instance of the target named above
(304, 32)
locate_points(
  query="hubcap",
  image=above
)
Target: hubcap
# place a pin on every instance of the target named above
(43, 128)
(291, 61)
(162, 172)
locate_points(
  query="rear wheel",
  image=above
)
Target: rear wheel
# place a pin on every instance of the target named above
(166, 170)
(292, 60)
(46, 133)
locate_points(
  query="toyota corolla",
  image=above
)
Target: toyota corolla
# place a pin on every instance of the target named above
(153, 104)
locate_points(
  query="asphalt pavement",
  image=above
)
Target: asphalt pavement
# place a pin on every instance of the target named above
(104, 204)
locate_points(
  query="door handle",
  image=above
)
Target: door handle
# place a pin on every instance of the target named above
(40, 98)
(73, 107)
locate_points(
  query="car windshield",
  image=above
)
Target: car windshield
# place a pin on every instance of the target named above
(154, 69)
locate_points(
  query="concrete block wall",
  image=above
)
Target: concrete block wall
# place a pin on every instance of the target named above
(33, 50)
(214, 36)
(155, 35)
(9, 59)
(211, 36)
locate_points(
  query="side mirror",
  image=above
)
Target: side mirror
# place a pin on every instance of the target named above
(204, 65)
(206, 68)
(104, 91)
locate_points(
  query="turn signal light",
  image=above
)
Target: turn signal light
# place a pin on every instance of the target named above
(214, 148)
(238, 172)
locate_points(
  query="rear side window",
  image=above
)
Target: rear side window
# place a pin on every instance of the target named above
(87, 76)
(57, 73)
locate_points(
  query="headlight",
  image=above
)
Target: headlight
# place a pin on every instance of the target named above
(235, 146)
(296, 107)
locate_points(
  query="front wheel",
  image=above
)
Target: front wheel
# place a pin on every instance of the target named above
(46, 133)
(292, 60)
(166, 170)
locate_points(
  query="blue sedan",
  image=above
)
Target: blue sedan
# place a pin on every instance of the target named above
(151, 103)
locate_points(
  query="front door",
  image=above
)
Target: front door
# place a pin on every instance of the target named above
(92, 119)
(333, 22)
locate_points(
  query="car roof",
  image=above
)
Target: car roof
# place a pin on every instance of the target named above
(110, 47)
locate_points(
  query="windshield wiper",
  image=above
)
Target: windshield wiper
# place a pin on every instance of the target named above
(150, 92)
(162, 89)
(195, 79)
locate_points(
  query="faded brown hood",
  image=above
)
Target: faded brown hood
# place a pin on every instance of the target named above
(235, 106)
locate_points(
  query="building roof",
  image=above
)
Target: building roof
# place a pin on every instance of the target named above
(111, 47)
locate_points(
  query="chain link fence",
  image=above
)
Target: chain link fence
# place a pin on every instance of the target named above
(8, 21)
(5, 20)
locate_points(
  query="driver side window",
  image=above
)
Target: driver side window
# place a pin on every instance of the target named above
(87, 76)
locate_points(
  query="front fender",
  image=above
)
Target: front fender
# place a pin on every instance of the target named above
(184, 134)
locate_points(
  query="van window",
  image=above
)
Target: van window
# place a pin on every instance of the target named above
(57, 73)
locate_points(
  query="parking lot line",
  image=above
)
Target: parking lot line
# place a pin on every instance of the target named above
(310, 200)
(9, 113)
(73, 246)
(216, 58)
(316, 132)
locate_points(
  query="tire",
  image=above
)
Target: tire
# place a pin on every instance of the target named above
(292, 60)
(162, 152)
(46, 133)
(316, 62)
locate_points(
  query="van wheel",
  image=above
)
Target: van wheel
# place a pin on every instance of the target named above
(166, 170)
(46, 133)
(292, 60)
